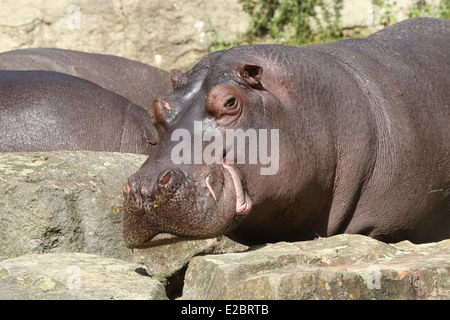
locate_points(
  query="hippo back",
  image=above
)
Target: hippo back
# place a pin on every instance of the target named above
(43, 110)
(138, 82)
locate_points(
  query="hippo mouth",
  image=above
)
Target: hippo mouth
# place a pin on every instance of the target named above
(231, 189)
(243, 201)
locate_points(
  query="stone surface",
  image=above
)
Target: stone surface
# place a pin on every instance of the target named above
(164, 261)
(75, 276)
(339, 267)
(63, 202)
(72, 202)
(167, 263)
(364, 13)
(164, 33)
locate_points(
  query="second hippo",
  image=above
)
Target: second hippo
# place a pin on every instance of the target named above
(138, 82)
(44, 110)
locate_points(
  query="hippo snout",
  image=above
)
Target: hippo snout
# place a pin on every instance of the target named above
(149, 207)
(166, 185)
(173, 204)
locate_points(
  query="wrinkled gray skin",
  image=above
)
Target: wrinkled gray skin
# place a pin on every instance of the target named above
(44, 110)
(364, 143)
(136, 81)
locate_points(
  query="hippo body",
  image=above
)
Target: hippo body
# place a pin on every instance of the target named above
(364, 143)
(45, 110)
(136, 81)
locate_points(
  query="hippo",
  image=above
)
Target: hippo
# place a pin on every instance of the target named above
(46, 110)
(361, 127)
(138, 82)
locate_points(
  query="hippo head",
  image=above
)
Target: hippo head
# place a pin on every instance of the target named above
(218, 158)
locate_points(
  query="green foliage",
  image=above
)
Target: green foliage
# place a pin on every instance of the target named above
(422, 9)
(293, 21)
(445, 10)
(302, 22)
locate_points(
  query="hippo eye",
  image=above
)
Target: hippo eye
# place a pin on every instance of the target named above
(230, 107)
(225, 103)
(230, 103)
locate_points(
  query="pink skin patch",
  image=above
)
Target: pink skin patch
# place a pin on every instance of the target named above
(127, 188)
(243, 201)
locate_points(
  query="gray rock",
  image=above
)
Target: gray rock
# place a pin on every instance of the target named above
(63, 202)
(75, 276)
(72, 202)
(339, 267)
(167, 263)
(164, 261)
(166, 34)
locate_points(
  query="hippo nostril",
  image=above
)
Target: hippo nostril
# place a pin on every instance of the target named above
(165, 178)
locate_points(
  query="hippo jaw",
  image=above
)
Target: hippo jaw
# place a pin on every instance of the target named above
(226, 204)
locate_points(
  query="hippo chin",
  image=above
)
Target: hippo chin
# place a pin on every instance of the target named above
(361, 128)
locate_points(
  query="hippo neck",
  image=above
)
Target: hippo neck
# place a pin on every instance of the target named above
(329, 153)
(360, 134)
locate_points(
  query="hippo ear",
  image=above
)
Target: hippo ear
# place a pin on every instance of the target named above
(175, 76)
(252, 74)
